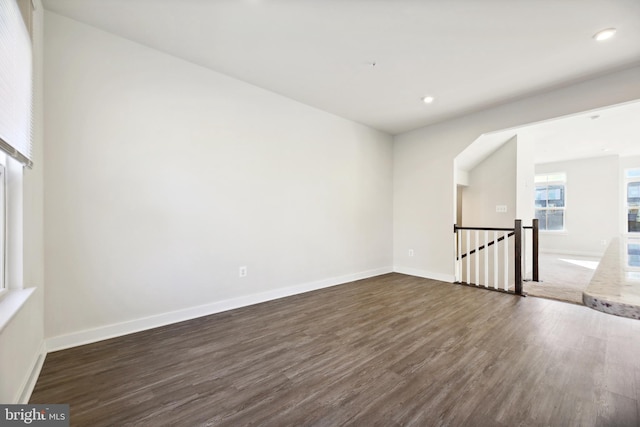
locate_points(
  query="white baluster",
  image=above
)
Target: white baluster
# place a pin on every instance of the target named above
(495, 260)
(524, 252)
(486, 258)
(468, 248)
(506, 260)
(477, 259)
(459, 255)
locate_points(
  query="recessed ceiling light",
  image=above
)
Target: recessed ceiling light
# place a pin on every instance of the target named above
(594, 117)
(604, 34)
(428, 99)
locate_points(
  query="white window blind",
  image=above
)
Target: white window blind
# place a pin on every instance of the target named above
(15, 84)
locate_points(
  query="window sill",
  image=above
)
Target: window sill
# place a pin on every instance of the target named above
(11, 303)
(554, 233)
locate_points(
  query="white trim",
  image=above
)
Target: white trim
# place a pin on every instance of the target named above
(30, 381)
(554, 232)
(450, 278)
(88, 336)
(11, 302)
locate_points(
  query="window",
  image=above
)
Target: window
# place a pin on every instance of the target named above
(632, 185)
(550, 201)
(15, 84)
(633, 254)
(16, 90)
(3, 226)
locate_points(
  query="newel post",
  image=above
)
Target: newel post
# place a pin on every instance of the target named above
(517, 234)
(534, 227)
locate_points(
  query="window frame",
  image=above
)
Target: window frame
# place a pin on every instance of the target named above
(628, 180)
(4, 288)
(559, 178)
(13, 293)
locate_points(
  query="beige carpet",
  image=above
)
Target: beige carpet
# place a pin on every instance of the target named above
(562, 277)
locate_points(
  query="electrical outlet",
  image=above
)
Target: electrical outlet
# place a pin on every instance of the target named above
(501, 208)
(242, 272)
(410, 252)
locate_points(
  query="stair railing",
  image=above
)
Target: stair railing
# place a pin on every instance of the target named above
(476, 263)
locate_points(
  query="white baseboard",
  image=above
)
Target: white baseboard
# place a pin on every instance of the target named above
(88, 336)
(425, 274)
(30, 381)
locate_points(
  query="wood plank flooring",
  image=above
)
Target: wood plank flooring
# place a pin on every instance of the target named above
(392, 350)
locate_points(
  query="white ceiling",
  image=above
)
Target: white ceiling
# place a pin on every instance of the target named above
(610, 131)
(469, 54)
(607, 131)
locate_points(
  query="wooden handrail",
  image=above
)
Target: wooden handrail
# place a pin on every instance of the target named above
(457, 227)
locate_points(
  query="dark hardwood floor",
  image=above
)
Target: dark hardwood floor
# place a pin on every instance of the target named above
(392, 350)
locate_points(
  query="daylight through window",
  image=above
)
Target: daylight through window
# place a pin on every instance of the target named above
(632, 177)
(550, 201)
(3, 225)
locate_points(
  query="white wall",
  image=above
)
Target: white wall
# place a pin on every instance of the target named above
(163, 178)
(499, 179)
(629, 163)
(22, 339)
(423, 209)
(492, 182)
(592, 206)
(525, 176)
